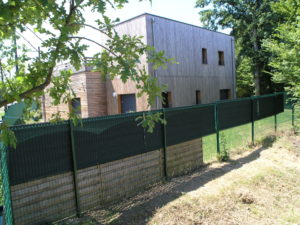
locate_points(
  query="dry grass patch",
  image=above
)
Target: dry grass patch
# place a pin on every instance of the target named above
(264, 191)
(258, 186)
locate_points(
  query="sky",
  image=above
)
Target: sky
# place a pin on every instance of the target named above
(180, 10)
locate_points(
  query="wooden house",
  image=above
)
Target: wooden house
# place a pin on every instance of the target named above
(205, 73)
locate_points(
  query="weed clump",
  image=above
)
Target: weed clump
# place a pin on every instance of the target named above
(223, 155)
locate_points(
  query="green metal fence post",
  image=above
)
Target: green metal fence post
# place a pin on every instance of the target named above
(8, 213)
(275, 112)
(293, 115)
(74, 162)
(164, 132)
(252, 120)
(217, 126)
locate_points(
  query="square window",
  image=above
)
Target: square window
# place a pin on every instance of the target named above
(127, 103)
(224, 94)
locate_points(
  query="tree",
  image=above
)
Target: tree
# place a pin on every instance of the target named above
(251, 22)
(59, 22)
(285, 47)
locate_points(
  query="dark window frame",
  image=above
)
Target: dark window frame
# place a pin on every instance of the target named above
(198, 97)
(221, 59)
(167, 99)
(76, 109)
(120, 108)
(204, 56)
(227, 94)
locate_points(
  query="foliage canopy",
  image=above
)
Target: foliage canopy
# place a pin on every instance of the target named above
(57, 24)
(251, 22)
(285, 47)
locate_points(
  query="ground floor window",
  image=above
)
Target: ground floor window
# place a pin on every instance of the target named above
(167, 99)
(127, 103)
(198, 97)
(224, 94)
(75, 106)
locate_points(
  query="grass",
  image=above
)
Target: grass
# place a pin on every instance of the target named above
(240, 137)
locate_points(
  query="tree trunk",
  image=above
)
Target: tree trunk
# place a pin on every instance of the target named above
(257, 79)
(257, 72)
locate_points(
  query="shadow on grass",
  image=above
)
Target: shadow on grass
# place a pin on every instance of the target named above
(138, 209)
(268, 141)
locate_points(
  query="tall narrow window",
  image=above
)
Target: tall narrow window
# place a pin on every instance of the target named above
(204, 56)
(198, 97)
(76, 106)
(167, 100)
(221, 58)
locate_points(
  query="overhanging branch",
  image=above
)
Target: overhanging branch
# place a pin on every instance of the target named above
(88, 25)
(47, 81)
(95, 42)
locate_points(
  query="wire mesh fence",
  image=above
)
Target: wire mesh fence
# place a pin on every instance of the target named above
(60, 170)
(5, 187)
(239, 137)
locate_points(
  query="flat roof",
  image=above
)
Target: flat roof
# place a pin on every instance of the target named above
(149, 14)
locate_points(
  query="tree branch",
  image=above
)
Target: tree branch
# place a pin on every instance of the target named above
(47, 81)
(88, 25)
(95, 42)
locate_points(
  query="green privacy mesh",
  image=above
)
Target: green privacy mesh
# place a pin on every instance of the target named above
(45, 149)
(5, 186)
(264, 106)
(106, 139)
(187, 123)
(42, 150)
(234, 113)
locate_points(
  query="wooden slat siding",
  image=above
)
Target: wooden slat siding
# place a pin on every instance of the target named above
(78, 84)
(43, 207)
(96, 94)
(129, 181)
(184, 42)
(43, 200)
(114, 180)
(184, 157)
(126, 163)
(118, 87)
(41, 185)
(91, 89)
(51, 215)
(41, 196)
(136, 27)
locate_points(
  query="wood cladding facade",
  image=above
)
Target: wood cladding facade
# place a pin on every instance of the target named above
(184, 43)
(90, 88)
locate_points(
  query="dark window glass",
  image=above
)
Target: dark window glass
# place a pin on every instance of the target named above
(127, 103)
(198, 97)
(167, 100)
(224, 94)
(204, 56)
(76, 106)
(221, 58)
